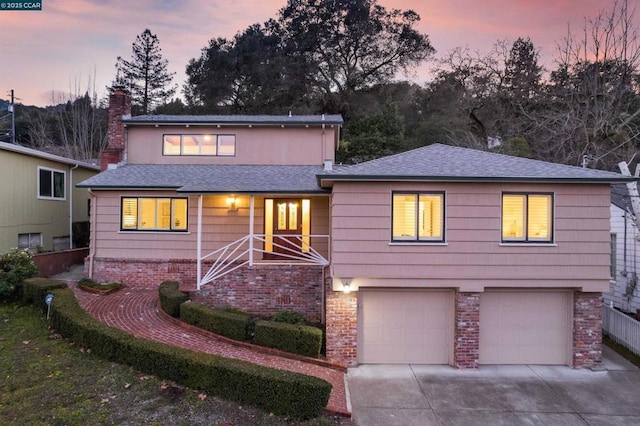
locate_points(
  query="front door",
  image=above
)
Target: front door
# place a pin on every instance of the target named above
(287, 227)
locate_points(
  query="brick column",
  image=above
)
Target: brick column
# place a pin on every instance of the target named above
(341, 325)
(587, 330)
(467, 330)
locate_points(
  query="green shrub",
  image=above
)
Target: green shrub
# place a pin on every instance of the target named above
(233, 325)
(15, 266)
(34, 290)
(171, 298)
(289, 317)
(296, 338)
(89, 283)
(277, 391)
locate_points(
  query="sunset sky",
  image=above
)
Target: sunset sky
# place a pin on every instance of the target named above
(47, 54)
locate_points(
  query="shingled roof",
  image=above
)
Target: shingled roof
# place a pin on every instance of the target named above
(209, 178)
(236, 119)
(439, 162)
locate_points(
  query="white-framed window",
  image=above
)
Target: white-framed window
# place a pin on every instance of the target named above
(527, 217)
(153, 214)
(614, 248)
(31, 240)
(417, 216)
(206, 144)
(51, 184)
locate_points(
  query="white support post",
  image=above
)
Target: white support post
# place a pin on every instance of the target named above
(251, 220)
(199, 244)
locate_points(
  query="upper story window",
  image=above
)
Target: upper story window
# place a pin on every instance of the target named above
(51, 184)
(527, 218)
(418, 216)
(215, 145)
(153, 214)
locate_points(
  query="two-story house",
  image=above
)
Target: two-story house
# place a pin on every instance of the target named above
(42, 209)
(439, 255)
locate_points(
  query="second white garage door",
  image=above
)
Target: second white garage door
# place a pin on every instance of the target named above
(405, 326)
(525, 327)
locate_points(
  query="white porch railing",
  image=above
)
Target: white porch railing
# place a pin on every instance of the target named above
(621, 328)
(242, 252)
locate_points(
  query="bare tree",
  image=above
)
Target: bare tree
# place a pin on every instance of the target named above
(73, 126)
(592, 114)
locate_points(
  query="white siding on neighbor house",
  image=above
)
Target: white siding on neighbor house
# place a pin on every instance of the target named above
(220, 226)
(472, 256)
(621, 291)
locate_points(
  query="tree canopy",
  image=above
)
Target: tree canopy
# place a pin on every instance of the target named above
(145, 75)
(312, 57)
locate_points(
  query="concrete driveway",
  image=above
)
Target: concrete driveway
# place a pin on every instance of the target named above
(496, 395)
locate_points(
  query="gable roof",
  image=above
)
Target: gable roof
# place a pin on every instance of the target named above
(331, 119)
(439, 162)
(46, 156)
(207, 178)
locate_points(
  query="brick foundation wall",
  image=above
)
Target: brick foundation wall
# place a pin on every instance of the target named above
(143, 273)
(58, 261)
(265, 290)
(261, 290)
(342, 325)
(587, 330)
(466, 347)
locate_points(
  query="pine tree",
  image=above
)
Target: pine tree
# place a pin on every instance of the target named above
(146, 75)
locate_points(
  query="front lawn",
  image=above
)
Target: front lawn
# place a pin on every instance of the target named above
(45, 379)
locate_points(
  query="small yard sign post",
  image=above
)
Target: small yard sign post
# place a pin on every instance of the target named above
(48, 298)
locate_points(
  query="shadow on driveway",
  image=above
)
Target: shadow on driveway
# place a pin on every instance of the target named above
(496, 395)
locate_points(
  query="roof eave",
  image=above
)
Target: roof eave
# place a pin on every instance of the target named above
(326, 180)
(231, 123)
(284, 192)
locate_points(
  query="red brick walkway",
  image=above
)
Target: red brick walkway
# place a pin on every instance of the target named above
(136, 311)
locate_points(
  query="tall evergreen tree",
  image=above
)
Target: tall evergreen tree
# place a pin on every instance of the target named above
(146, 75)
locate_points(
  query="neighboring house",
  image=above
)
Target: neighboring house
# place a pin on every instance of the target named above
(440, 255)
(625, 253)
(41, 207)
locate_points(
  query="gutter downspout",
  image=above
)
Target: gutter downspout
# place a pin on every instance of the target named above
(92, 233)
(71, 204)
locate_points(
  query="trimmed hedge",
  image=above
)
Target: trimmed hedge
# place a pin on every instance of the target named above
(33, 290)
(277, 391)
(233, 325)
(171, 298)
(296, 338)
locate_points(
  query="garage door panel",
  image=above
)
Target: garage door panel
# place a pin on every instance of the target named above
(524, 327)
(405, 326)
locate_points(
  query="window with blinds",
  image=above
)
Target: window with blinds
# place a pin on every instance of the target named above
(212, 145)
(418, 217)
(153, 214)
(527, 217)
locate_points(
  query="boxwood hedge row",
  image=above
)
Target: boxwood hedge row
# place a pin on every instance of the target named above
(277, 391)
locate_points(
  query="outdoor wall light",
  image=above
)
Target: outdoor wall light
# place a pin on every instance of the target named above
(232, 201)
(346, 285)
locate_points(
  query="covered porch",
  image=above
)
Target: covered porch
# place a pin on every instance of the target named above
(235, 231)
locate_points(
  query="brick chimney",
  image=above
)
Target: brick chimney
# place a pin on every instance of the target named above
(119, 106)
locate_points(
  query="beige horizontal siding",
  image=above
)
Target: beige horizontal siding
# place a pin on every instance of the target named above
(219, 227)
(579, 255)
(254, 145)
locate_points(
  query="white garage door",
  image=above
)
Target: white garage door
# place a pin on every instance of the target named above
(412, 326)
(525, 327)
